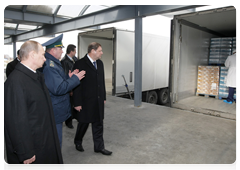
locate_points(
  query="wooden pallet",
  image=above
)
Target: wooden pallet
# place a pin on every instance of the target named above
(207, 95)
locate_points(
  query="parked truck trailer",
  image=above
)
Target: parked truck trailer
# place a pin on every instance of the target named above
(191, 36)
(118, 60)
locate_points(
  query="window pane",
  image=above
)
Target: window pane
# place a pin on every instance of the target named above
(46, 9)
(10, 25)
(26, 27)
(94, 8)
(70, 10)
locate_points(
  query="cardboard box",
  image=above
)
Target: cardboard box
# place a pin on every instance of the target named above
(208, 80)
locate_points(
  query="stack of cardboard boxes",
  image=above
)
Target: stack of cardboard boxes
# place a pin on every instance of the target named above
(211, 79)
(208, 80)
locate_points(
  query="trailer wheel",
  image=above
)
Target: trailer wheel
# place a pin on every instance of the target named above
(152, 97)
(163, 96)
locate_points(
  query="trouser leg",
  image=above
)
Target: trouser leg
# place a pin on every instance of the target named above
(68, 122)
(230, 94)
(97, 131)
(81, 130)
(59, 131)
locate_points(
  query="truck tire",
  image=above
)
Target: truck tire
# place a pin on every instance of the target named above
(152, 97)
(163, 96)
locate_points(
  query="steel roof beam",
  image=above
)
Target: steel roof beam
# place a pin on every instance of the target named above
(24, 8)
(26, 17)
(109, 15)
(84, 10)
(57, 9)
(12, 31)
(55, 13)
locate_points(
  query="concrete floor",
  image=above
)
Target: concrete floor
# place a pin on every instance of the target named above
(208, 105)
(155, 137)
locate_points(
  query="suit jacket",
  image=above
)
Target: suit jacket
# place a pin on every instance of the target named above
(11, 66)
(91, 93)
(59, 86)
(29, 126)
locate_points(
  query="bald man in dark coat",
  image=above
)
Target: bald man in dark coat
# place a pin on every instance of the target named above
(29, 126)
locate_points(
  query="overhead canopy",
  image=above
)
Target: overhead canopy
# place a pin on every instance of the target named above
(23, 22)
(22, 18)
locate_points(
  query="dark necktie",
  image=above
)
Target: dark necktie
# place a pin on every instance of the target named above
(95, 65)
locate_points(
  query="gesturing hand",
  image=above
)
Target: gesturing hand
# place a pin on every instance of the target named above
(73, 72)
(78, 108)
(81, 74)
(29, 161)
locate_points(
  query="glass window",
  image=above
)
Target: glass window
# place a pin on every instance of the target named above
(70, 10)
(45, 9)
(94, 8)
(26, 27)
(10, 25)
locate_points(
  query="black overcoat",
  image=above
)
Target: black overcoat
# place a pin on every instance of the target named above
(67, 64)
(10, 66)
(91, 93)
(29, 125)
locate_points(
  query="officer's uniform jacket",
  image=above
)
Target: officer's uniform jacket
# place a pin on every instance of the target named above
(59, 85)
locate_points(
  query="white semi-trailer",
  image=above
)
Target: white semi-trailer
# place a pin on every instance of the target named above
(118, 59)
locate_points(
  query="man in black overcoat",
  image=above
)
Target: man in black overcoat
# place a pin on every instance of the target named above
(10, 66)
(67, 63)
(89, 98)
(29, 125)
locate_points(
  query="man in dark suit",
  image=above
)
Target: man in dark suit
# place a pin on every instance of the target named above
(89, 98)
(67, 63)
(29, 126)
(12, 64)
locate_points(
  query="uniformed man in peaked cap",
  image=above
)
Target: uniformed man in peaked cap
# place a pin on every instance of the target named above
(55, 42)
(59, 84)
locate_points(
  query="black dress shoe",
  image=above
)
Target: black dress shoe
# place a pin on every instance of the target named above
(104, 152)
(70, 126)
(79, 148)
